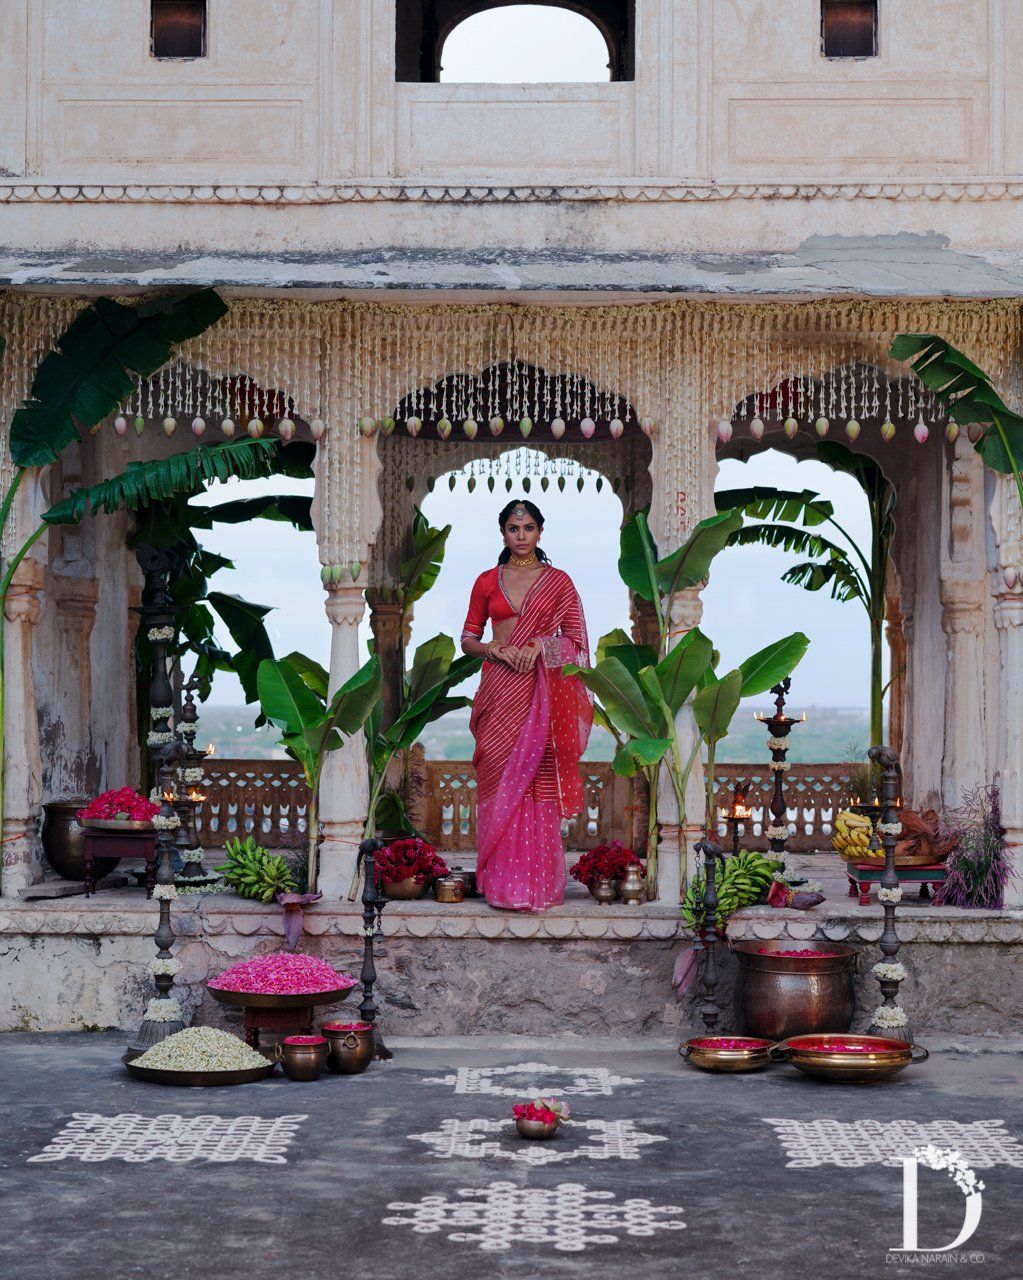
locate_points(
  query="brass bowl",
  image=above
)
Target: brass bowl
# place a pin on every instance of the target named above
(408, 889)
(536, 1130)
(711, 1053)
(258, 1000)
(198, 1079)
(302, 1062)
(822, 1055)
(349, 1052)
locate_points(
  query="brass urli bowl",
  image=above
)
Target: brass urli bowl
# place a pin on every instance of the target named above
(711, 1054)
(254, 1000)
(822, 1055)
(198, 1079)
(535, 1129)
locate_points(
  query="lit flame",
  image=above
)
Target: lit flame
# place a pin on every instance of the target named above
(211, 750)
(169, 796)
(196, 795)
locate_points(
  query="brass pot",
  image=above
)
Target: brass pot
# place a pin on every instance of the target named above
(449, 889)
(632, 889)
(536, 1130)
(350, 1047)
(605, 890)
(468, 879)
(717, 1053)
(64, 841)
(781, 996)
(849, 1059)
(408, 889)
(302, 1057)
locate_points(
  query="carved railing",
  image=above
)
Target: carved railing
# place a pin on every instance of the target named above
(813, 796)
(265, 798)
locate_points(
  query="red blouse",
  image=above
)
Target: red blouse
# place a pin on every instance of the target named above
(487, 601)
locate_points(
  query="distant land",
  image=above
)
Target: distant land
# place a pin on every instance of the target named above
(826, 737)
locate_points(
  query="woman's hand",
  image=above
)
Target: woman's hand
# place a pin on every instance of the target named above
(524, 659)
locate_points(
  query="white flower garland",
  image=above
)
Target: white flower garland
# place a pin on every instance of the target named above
(889, 1016)
(163, 1010)
(160, 633)
(963, 1176)
(778, 744)
(890, 895)
(158, 967)
(777, 833)
(164, 893)
(193, 775)
(890, 828)
(155, 739)
(890, 972)
(160, 713)
(186, 885)
(779, 766)
(166, 824)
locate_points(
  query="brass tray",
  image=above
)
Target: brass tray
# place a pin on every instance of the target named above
(259, 1000)
(811, 1055)
(198, 1079)
(702, 1052)
(115, 824)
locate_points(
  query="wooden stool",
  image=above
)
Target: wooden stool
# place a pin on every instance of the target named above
(119, 844)
(864, 874)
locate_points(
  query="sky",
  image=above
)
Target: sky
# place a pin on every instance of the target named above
(745, 605)
(522, 44)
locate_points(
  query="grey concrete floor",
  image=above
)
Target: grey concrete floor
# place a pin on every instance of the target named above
(321, 1213)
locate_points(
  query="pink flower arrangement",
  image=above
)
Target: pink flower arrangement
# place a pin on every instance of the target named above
(546, 1110)
(346, 1026)
(729, 1042)
(606, 861)
(411, 859)
(125, 805)
(801, 955)
(284, 973)
(304, 1040)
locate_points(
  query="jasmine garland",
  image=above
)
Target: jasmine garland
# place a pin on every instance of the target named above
(163, 1010)
(889, 1016)
(890, 972)
(890, 895)
(170, 967)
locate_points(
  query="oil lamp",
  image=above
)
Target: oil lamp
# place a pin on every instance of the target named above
(779, 726)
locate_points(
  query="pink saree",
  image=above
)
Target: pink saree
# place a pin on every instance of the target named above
(531, 729)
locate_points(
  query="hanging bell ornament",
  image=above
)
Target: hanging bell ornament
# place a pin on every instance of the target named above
(256, 428)
(887, 431)
(444, 428)
(169, 427)
(496, 426)
(367, 427)
(525, 427)
(952, 432)
(120, 425)
(228, 427)
(791, 428)
(198, 427)
(579, 484)
(545, 484)
(470, 428)
(471, 483)
(617, 428)
(452, 481)
(647, 427)
(386, 426)
(140, 424)
(491, 482)
(413, 426)
(557, 428)
(756, 428)
(724, 431)
(561, 484)
(822, 426)
(508, 485)
(920, 432)
(586, 428)
(600, 483)
(525, 484)
(317, 428)
(852, 429)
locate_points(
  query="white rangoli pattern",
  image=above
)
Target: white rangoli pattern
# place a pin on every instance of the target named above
(567, 1216)
(809, 1143)
(542, 1078)
(137, 1139)
(468, 1140)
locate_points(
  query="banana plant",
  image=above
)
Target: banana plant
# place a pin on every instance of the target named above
(293, 695)
(971, 399)
(426, 696)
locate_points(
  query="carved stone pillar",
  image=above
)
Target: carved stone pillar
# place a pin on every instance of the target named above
(1009, 621)
(344, 797)
(385, 622)
(962, 621)
(897, 687)
(644, 621)
(22, 762)
(72, 769)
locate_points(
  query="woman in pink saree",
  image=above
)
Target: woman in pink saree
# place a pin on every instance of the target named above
(530, 721)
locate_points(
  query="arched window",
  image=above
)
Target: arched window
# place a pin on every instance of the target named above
(494, 41)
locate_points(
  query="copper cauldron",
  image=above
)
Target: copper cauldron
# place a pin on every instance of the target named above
(781, 996)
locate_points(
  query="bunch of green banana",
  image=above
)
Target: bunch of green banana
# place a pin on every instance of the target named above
(743, 879)
(253, 873)
(851, 836)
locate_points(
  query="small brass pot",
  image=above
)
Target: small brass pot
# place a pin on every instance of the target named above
(407, 890)
(302, 1057)
(605, 890)
(468, 879)
(350, 1047)
(449, 889)
(535, 1129)
(632, 889)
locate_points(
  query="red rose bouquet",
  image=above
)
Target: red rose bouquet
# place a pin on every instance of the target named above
(123, 805)
(411, 859)
(546, 1110)
(606, 861)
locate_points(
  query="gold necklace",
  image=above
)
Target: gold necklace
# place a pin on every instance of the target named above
(525, 563)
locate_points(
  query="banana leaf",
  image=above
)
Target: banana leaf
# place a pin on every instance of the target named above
(289, 508)
(638, 556)
(285, 697)
(679, 673)
(244, 622)
(613, 639)
(419, 572)
(846, 584)
(349, 709)
(98, 360)
(432, 660)
(761, 502)
(690, 564)
(392, 816)
(763, 669)
(715, 706)
(633, 656)
(783, 537)
(311, 672)
(638, 754)
(621, 696)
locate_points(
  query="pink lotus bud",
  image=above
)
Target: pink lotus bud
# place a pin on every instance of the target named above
(558, 428)
(822, 426)
(169, 427)
(920, 432)
(647, 426)
(286, 429)
(724, 431)
(317, 428)
(198, 427)
(228, 427)
(587, 427)
(470, 428)
(617, 428)
(496, 425)
(791, 428)
(256, 428)
(121, 425)
(413, 426)
(756, 428)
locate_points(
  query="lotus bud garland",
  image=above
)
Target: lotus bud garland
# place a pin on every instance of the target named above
(558, 428)
(888, 432)
(367, 427)
(228, 427)
(413, 426)
(286, 429)
(791, 428)
(756, 428)
(317, 428)
(852, 429)
(470, 429)
(952, 432)
(648, 426)
(724, 431)
(525, 427)
(586, 428)
(386, 426)
(617, 428)
(121, 425)
(822, 426)
(169, 427)
(140, 424)
(256, 428)
(444, 428)
(198, 427)
(920, 432)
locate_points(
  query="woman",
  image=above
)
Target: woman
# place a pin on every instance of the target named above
(529, 719)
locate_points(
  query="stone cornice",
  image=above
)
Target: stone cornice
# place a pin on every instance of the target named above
(487, 192)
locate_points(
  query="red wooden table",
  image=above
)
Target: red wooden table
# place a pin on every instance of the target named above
(864, 874)
(119, 844)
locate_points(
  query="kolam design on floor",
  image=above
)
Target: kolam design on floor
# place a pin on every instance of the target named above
(137, 1139)
(851, 1144)
(472, 1140)
(587, 1082)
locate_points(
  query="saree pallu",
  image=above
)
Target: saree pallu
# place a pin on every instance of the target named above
(531, 729)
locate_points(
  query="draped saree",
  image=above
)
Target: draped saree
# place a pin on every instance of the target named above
(531, 728)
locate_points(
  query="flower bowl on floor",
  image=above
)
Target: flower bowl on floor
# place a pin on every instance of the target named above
(541, 1118)
(727, 1053)
(847, 1058)
(535, 1130)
